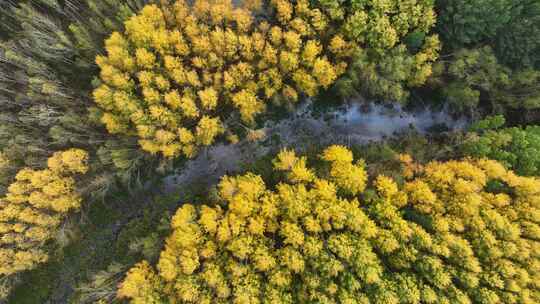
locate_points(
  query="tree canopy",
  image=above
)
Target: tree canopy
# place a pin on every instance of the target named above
(475, 75)
(103, 102)
(516, 148)
(34, 207)
(396, 47)
(178, 70)
(181, 72)
(453, 232)
(511, 26)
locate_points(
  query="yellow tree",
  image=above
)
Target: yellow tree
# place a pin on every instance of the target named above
(459, 232)
(181, 65)
(33, 208)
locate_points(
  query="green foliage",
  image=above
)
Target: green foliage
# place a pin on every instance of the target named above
(518, 44)
(33, 287)
(461, 97)
(516, 148)
(512, 27)
(474, 75)
(395, 53)
(103, 285)
(463, 23)
(488, 123)
(6, 286)
(492, 63)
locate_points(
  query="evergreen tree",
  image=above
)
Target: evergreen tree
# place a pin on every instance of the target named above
(475, 75)
(511, 27)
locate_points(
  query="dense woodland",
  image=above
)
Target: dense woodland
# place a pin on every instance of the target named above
(104, 102)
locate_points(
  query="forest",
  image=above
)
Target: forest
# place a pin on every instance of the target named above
(269, 151)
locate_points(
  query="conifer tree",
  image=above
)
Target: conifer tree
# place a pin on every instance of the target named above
(511, 27)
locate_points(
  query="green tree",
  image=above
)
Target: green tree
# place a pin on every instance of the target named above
(395, 45)
(475, 75)
(516, 148)
(511, 27)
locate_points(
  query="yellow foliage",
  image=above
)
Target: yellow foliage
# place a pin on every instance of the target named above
(34, 206)
(306, 82)
(284, 10)
(217, 246)
(409, 167)
(300, 172)
(208, 98)
(207, 129)
(324, 72)
(145, 59)
(248, 104)
(350, 177)
(73, 160)
(386, 186)
(337, 154)
(141, 284)
(113, 123)
(180, 62)
(296, 168)
(311, 50)
(437, 239)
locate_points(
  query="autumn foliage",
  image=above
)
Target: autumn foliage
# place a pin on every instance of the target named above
(455, 232)
(140, 86)
(34, 207)
(178, 71)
